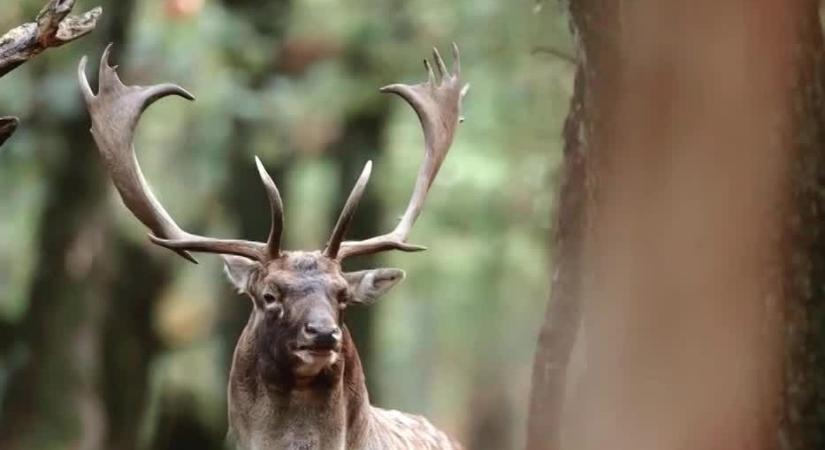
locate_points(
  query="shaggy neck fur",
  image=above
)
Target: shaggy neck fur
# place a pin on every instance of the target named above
(270, 408)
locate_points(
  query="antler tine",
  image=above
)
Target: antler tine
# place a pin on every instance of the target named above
(115, 112)
(437, 102)
(276, 206)
(345, 218)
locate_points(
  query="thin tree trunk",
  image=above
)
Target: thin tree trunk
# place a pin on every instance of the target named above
(54, 399)
(596, 26)
(562, 317)
(129, 339)
(362, 139)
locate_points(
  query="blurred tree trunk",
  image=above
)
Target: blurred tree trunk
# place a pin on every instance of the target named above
(53, 400)
(362, 139)
(804, 411)
(597, 28)
(179, 424)
(74, 342)
(687, 117)
(129, 340)
(243, 193)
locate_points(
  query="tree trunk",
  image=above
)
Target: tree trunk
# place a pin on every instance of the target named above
(129, 340)
(596, 26)
(703, 134)
(362, 140)
(803, 417)
(54, 399)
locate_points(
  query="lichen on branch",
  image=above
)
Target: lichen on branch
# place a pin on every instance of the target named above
(52, 27)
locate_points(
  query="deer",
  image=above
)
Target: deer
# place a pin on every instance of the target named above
(296, 380)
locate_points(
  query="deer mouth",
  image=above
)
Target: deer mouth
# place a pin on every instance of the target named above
(317, 349)
(311, 359)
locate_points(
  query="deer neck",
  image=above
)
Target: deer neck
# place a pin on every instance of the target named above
(270, 408)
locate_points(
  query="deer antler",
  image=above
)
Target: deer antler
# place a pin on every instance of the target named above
(437, 102)
(115, 112)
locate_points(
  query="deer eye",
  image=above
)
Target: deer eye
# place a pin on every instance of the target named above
(270, 298)
(343, 296)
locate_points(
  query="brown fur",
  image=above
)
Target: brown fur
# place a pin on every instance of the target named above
(270, 407)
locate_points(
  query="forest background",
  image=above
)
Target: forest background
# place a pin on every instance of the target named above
(107, 338)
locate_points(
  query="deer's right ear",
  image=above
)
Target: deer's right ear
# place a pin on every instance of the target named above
(239, 270)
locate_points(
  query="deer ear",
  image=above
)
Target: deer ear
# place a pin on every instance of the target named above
(369, 285)
(239, 270)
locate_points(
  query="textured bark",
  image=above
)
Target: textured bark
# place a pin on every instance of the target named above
(562, 317)
(804, 411)
(53, 27)
(596, 27)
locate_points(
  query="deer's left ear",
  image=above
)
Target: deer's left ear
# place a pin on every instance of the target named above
(369, 285)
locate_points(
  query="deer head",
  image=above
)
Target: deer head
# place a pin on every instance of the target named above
(298, 296)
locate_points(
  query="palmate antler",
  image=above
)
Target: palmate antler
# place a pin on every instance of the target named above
(115, 112)
(437, 102)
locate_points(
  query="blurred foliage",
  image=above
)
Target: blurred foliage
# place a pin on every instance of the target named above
(455, 341)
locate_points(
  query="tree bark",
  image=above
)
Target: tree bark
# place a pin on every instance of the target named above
(596, 26)
(803, 415)
(703, 179)
(562, 317)
(53, 27)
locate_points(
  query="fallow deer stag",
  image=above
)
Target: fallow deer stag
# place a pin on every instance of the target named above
(296, 380)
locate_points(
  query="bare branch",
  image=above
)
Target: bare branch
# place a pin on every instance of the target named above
(7, 127)
(52, 27)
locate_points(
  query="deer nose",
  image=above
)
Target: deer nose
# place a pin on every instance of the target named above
(323, 334)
